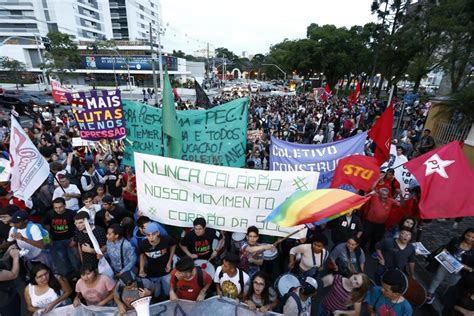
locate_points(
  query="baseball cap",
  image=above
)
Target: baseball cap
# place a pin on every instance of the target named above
(19, 216)
(152, 228)
(311, 281)
(108, 199)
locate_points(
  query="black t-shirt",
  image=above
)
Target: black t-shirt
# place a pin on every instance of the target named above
(201, 245)
(111, 184)
(4, 231)
(82, 238)
(62, 225)
(157, 256)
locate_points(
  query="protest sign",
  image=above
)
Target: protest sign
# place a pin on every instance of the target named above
(215, 136)
(79, 142)
(403, 176)
(286, 156)
(98, 116)
(175, 192)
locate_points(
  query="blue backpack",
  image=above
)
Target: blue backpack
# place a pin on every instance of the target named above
(44, 232)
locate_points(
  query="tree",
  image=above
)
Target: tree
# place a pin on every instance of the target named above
(14, 68)
(179, 54)
(461, 104)
(63, 57)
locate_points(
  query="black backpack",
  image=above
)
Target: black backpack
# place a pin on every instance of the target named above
(291, 293)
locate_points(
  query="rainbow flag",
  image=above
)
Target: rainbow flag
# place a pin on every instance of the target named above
(316, 206)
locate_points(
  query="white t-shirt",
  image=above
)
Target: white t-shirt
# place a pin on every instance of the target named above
(92, 212)
(230, 286)
(72, 203)
(36, 235)
(306, 252)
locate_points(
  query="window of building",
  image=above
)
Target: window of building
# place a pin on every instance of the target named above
(15, 12)
(142, 17)
(46, 15)
(141, 7)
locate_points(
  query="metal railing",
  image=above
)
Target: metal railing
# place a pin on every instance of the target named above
(448, 130)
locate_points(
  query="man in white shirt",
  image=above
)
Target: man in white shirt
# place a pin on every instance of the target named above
(70, 192)
(318, 139)
(29, 239)
(230, 281)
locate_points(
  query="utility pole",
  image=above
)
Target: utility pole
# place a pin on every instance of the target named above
(208, 64)
(153, 57)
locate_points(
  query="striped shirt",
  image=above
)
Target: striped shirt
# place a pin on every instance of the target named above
(337, 297)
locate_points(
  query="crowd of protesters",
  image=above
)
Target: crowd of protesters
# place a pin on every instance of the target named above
(50, 257)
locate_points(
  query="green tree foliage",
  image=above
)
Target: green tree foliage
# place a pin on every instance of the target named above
(14, 68)
(63, 57)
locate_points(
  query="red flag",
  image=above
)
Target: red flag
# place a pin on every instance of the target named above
(354, 97)
(381, 134)
(327, 93)
(445, 180)
(356, 170)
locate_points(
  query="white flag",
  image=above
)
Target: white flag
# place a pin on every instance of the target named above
(29, 168)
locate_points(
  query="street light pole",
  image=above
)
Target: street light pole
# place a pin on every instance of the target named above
(160, 58)
(284, 73)
(40, 54)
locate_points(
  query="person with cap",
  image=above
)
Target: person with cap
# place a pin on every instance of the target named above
(156, 258)
(388, 299)
(139, 230)
(197, 244)
(70, 192)
(29, 238)
(299, 299)
(230, 280)
(130, 288)
(189, 282)
(111, 213)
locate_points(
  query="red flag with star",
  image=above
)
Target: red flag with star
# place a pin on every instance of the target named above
(445, 179)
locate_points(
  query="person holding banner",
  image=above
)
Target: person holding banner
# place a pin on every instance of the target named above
(156, 257)
(197, 244)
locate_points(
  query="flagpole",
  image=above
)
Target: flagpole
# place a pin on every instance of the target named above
(57, 180)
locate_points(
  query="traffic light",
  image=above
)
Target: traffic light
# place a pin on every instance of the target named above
(46, 42)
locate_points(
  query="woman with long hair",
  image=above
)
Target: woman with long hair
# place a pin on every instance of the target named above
(94, 288)
(345, 296)
(260, 296)
(46, 290)
(460, 248)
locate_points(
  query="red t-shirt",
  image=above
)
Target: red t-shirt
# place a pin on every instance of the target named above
(379, 211)
(188, 290)
(133, 181)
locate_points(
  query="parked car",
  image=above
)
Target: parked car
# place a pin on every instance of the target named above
(26, 103)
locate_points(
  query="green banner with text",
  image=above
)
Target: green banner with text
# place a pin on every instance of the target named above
(216, 136)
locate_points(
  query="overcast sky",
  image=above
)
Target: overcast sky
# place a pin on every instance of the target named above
(252, 25)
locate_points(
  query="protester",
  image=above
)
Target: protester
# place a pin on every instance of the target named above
(45, 291)
(120, 252)
(130, 288)
(313, 257)
(60, 223)
(345, 293)
(70, 192)
(300, 299)
(459, 299)
(94, 288)
(260, 295)
(90, 207)
(82, 240)
(229, 279)
(461, 248)
(251, 252)
(388, 298)
(156, 254)
(197, 244)
(10, 302)
(348, 258)
(345, 227)
(189, 282)
(29, 238)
